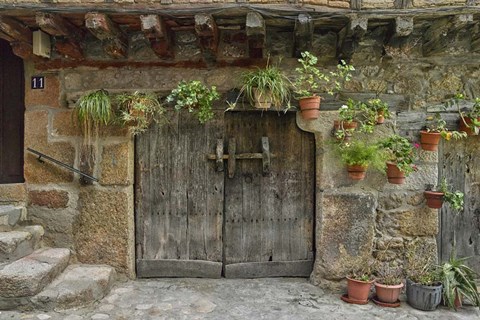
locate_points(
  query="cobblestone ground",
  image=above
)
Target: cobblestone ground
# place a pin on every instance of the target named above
(232, 299)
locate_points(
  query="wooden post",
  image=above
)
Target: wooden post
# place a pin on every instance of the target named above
(256, 33)
(303, 34)
(207, 32)
(232, 147)
(219, 155)
(115, 41)
(156, 32)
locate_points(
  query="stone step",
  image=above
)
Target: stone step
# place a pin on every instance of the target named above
(29, 275)
(10, 216)
(78, 285)
(19, 242)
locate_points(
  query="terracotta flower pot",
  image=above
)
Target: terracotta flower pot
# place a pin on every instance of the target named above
(394, 175)
(463, 126)
(458, 300)
(337, 124)
(358, 290)
(310, 107)
(380, 117)
(434, 199)
(429, 140)
(357, 172)
(388, 294)
(263, 100)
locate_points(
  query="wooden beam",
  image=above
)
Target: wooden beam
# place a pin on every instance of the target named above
(115, 41)
(350, 35)
(207, 32)
(256, 33)
(15, 29)
(156, 32)
(303, 34)
(5, 36)
(23, 50)
(68, 38)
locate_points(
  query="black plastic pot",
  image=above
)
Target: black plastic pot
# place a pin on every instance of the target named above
(422, 297)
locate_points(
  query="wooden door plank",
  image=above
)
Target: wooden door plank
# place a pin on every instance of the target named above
(179, 268)
(301, 268)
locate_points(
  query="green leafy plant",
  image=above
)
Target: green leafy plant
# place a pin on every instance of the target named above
(455, 199)
(359, 153)
(380, 107)
(388, 274)
(93, 110)
(437, 124)
(473, 114)
(421, 265)
(310, 80)
(365, 272)
(138, 110)
(195, 97)
(269, 83)
(399, 151)
(348, 112)
(458, 279)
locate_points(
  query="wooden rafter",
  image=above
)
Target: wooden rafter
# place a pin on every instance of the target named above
(207, 33)
(68, 38)
(156, 32)
(303, 34)
(256, 33)
(115, 42)
(15, 29)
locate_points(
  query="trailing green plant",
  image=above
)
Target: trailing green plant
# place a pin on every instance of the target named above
(138, 110)
(267, 83)
(436, 124)
(454, 198)
(458, 279)
(359, 153)
(399, 151)
(310, 80)
(380, 107)
(195, 97)
(473, 114)
(348, 111)
(94, 109)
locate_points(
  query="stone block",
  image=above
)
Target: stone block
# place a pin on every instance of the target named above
(11, 193)
(339, 4)
(117, 164)
(79, 285)
(103, 230)
(345, 233)
(437, 3)
(421, 221)
(29, 275)
(378, 4)
(65, 124)
(48, 97)
(17, 244)
(391, 200)
(57, 223)
(11, 215)
(48, 198)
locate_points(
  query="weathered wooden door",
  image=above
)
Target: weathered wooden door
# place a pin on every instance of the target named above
(11, 115)
(460, 165)
(196, 218)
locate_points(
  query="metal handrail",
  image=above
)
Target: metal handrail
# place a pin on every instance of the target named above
(41, 155)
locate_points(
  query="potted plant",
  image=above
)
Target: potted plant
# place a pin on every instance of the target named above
(400, 156)
(470, 120)
(358, 155)
(458, 283)
(436, 129)
(138, 110)
(265, 87)
(346, 124)
(195, 97)
(380, 108)
(93, 110)
(359, 285)
(424, 286)
(435, 198)
(310, 79)
(388, 284)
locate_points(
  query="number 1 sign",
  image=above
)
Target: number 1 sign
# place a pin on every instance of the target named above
(38, 82)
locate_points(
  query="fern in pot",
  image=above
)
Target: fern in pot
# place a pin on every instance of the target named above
(265, 87)
(358, 155)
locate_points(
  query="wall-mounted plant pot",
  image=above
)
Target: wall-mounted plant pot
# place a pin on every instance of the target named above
(358, 290)
(380, 117)
(263, 100)
(421, 297)
(310, 107)
(357, 172)
(434, 199)
(387, 293)
(429, 140)
(394, 175)
(337, 124)
(463, 126)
